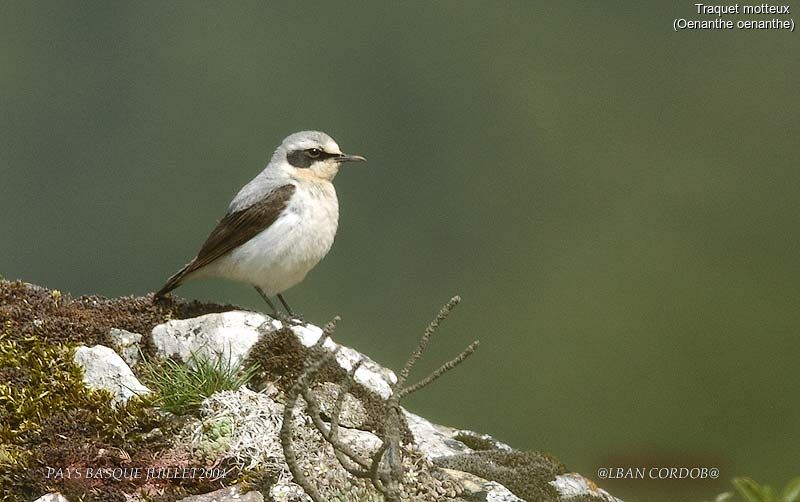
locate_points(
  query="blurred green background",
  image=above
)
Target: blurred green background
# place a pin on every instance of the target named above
(616, 203)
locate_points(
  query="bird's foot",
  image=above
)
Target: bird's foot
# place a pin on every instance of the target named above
(290, 319)
(296, 319)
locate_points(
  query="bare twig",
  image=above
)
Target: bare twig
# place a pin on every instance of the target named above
(285, 435)
(312, 407)
(426, 336)
(344, 459)
(384, 468)
(391, 439)
(289, 455)
(330, 327)
(441, 370)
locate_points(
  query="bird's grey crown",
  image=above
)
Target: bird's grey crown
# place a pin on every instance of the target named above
(304, 140)
(296, 148)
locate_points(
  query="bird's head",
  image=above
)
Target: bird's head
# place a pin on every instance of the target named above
(311, 155)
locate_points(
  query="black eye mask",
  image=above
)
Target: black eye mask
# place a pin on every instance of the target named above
(305, 158)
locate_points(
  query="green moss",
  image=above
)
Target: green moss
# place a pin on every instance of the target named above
(526, 473)
(475, 441)
(48, 418)
(46, 412)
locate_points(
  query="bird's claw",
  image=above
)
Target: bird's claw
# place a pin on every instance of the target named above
(290, 319)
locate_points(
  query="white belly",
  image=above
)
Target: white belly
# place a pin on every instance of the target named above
(281, 255)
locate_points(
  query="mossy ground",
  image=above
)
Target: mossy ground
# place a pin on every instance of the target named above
(526, 473)
(475, 441)
(49, 419)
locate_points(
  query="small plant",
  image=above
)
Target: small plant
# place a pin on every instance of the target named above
(385, 469)
(181, 387)
(750, 491)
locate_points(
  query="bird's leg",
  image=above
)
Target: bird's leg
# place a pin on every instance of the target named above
(266, 299)
(285, 305)
(292, 315)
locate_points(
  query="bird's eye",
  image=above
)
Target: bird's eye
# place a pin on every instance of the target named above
(314, 153)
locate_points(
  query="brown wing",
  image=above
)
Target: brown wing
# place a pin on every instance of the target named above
(234, 230)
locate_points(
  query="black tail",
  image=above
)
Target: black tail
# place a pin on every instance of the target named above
(173, 282)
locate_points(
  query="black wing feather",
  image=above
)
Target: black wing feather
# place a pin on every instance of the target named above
(232, 231)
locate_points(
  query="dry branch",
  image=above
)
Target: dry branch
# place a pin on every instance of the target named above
(385, 466)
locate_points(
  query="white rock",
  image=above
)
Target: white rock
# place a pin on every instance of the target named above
(495, 492)
(434, 440)
(370, 374)
(571, 485)
(229, 494)
(352, 413)
(308, 334)
(477, 488)
(104, 369)
(127, 344)
(363, 442)
(52, 497)
(229, 335)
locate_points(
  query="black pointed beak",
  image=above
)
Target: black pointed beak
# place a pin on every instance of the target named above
(343, 157)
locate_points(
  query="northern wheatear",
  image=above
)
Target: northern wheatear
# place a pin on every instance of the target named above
(280, 225)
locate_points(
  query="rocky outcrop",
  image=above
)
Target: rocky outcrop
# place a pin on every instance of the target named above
(239, 430)
(254, 418)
